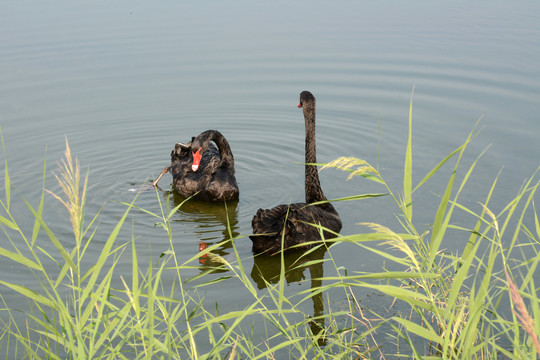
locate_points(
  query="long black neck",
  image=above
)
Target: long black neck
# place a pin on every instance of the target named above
(313, 188)
(225, 152)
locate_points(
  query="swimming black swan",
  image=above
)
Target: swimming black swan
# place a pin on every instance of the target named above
(269, 225)
(201, 167)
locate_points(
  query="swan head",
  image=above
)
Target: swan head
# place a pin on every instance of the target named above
(196, 160)
(306, 98)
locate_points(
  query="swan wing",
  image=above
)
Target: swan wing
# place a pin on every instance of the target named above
(290, 224)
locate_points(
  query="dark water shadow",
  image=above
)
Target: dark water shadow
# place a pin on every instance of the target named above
(214, 223)
(298, 265)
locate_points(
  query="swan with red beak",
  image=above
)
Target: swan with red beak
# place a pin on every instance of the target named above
(204, 168)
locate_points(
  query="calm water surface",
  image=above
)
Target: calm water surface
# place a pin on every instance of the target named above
(125, 81)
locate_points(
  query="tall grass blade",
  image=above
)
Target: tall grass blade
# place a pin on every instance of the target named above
(383, 275)
(105, 252)
(460, 277)
(135, 278)
(8, 223)
(7, 179)
(442, 217)
(475, 233)
(519, 226)
(57, 244)
(477, 305)
(410, 296)
(437, 167)
(536, 221)
(20, 259)
(35, 231)
(424, 332)
(407, 176)
(350, 198)
(30, 294)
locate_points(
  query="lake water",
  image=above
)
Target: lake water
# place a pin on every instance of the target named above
(125, 80)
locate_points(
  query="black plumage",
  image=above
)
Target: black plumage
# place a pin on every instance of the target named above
(213, 178)
(291, 222)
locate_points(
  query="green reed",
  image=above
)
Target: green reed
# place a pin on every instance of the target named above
(455, 299)
(453, 306)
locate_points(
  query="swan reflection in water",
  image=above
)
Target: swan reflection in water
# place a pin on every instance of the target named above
(267, 269)
(215, 223)
(212, 222)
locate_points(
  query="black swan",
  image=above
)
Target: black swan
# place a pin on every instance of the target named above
(291, 221)
(200, 168)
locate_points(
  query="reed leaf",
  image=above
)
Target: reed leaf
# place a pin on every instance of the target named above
(57, 244)
(407, 175)
(519, 226)
(442, 216)
(460, 277)
(105, 253)
(475, 233)
(383, 275)
(410, 296)
(8, 223)
(30, 294)
(7, 179)
(35, 231)
(424, 332)
(135, 279)
(349, 198)
(437, 167)
(17, 257)
(476, 306)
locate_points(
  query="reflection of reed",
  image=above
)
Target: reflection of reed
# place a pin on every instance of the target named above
(267, 269)
(215, 222)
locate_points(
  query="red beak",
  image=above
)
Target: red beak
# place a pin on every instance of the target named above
(203, 258)
(299, 105)
(196, 160)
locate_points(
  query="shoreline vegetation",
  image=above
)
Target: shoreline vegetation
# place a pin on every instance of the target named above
(479, 304)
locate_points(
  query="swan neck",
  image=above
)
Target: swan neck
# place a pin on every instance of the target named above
(313, 186)
(224, 148)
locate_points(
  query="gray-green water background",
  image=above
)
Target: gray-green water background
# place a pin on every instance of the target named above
(125, 80)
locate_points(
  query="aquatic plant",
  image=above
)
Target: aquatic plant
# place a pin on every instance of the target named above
(465, 305)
